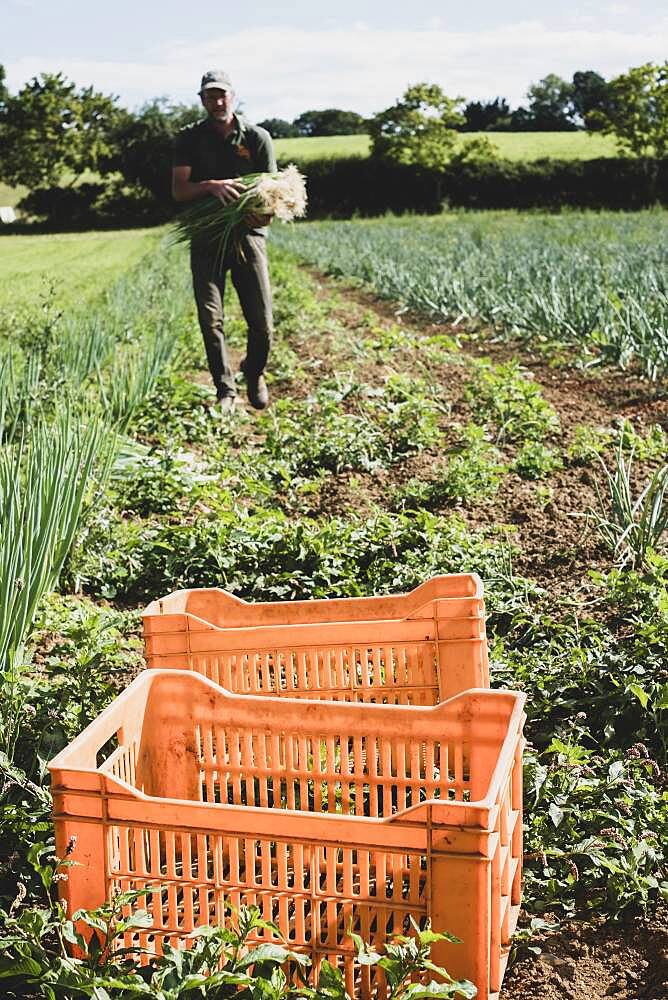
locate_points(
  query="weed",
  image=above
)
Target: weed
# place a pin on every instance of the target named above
(535, 461)
(511, 403)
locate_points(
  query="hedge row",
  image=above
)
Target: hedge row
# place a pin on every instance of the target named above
(341, 188)
(355, 186)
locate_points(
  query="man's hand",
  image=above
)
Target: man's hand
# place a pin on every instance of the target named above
(227, 190)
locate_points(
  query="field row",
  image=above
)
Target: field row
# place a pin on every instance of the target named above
(393, 450)
(584, 282)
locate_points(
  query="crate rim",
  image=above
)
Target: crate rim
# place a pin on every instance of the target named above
(62, 762)
(178, 599)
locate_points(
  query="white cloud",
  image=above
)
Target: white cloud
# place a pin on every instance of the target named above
(283, 71)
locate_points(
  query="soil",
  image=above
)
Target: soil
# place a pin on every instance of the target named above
(554, 535)
(557, 547)
(595, 962)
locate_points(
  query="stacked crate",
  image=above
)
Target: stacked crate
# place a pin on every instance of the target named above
(338, 763)
(411, 649)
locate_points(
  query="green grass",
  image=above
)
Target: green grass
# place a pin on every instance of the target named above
(11, 196)
(553, 145)
(513, 145)
(79, 265)
(324, 147)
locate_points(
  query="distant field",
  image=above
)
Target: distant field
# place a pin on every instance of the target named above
(80, 265)
(513, 145)
(10, 196)
(322, 146)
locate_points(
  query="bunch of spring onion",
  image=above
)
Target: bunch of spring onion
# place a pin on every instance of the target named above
(281, 195)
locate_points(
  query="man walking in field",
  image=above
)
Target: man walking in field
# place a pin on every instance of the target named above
(208, 157)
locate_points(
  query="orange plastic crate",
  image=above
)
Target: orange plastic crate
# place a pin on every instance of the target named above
(319, 814)
(418, 648)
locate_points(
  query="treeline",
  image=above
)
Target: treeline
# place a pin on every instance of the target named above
(552, 105)
(51, 133)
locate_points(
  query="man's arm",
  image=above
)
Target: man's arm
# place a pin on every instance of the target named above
(183, 189)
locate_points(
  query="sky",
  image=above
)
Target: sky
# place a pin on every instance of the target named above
(359, 56)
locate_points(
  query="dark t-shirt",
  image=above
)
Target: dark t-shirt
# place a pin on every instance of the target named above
(248, 149)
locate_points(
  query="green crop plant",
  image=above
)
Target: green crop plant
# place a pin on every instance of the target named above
(44, 485)
(246, 958)
(536, 461)
(511, 403)
(588, 444)
(632, 526)
(649, 447)
(310, 437)
(318, 434)
(470, 474)
(19, 395)
(132, 376)
(406, 415)
(592, 842)
(591, 283)
(636, 329)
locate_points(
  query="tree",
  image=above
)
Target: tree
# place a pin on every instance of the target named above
(419, 129)
(637, 111)
(331, 121)
(141, 144)
(278, 128)
(483, 115)
(50, 129)
(550, 104)
(4, 93)
(590, 93)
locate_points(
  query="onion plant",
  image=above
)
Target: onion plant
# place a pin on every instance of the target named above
(19, 394)
(592, 283)
(45, 479)
(126, 384)
(632, 527)
(280, 195)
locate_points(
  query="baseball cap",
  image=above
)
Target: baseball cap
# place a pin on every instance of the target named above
(215, 78)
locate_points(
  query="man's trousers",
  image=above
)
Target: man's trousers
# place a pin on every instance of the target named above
(248, 266)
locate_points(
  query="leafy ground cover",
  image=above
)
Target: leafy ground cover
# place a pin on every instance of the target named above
(511, 145)
(397, 446)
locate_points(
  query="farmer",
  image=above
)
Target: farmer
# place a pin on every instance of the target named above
(209, 157)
